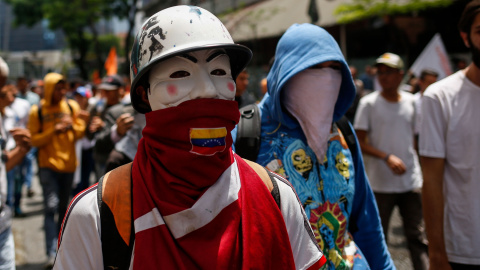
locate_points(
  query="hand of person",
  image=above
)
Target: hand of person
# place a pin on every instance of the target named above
(124, 123)
(396, 164)
(96, 124)
(67, 120)
(84, 115)
(60, 127)
(22, 137)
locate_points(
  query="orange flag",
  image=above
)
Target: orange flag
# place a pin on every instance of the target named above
(111, 62)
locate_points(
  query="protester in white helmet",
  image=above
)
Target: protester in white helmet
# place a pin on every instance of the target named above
(194, 203)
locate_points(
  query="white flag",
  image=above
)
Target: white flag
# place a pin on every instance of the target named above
(433, 57)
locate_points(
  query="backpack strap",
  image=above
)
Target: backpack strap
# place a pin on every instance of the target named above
(268, 179)
(247, 144)
(348, 134)
(114, 195)
(70, 107)
(40, 115)
(275, 191)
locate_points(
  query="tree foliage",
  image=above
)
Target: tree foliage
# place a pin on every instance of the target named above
(77, 19)
(362, 9)
(126, 9)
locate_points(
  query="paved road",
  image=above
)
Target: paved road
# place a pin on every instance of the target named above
(28, 232)
(30, 240)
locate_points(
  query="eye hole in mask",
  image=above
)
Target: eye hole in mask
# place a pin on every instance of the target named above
(179, 74)
(218, 72)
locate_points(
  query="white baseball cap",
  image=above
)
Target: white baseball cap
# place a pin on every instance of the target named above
(390, 59)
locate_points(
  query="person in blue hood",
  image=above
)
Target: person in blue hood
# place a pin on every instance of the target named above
(310, 88)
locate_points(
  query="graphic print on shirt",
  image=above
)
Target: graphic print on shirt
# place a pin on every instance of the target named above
(321, 189)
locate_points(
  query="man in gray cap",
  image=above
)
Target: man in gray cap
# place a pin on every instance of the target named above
(384, 123)
(109, 122)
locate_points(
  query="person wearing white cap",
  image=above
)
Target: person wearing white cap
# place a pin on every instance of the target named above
(384, 123)
(187, 201)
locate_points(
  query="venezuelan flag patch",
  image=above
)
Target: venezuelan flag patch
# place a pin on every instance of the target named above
(207, 141)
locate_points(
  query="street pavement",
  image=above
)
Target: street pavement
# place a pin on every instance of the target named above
(28, 232)
(30, 238)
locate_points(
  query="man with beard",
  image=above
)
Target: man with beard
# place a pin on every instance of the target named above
(187, 201)
(310, 88)
(450, 151)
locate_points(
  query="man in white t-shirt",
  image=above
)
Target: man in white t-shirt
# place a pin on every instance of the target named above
(16, 115)
(9, 159)
(450, 153)
(384, 124)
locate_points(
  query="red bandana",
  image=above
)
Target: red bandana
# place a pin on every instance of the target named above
(193, 205)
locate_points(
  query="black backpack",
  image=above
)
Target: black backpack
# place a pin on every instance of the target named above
(247, 144)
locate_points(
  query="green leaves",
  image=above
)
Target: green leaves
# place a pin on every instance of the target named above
(362, 9)
(78, 20)
(27, 12)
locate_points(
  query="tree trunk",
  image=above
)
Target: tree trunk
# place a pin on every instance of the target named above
(96, 47)
(128, 38)
(80, 46)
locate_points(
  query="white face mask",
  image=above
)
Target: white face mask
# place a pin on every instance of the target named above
(310, 96)
(199, 74)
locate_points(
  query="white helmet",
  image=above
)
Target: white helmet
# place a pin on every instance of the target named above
(174, 31)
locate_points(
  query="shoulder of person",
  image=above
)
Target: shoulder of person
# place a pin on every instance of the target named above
(262, 173)
(30, 93)
(73, 104)
(10, 112)
(83, 207)
(369, 97)
(407, 95)
(128, 108)
(34, 108)
(115, 110)
(21, 103)
(448, 86)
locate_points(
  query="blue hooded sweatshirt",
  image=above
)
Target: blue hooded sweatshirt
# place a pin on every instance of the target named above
(334, 192)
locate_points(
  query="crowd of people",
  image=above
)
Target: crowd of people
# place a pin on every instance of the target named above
(73, 130)
(330, 156)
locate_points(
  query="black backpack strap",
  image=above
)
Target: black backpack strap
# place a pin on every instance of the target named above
(40, 118)
(247, 144)
(348, 134)
(266, 178)
(70, 107)
(275, 191)
(99, 196)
